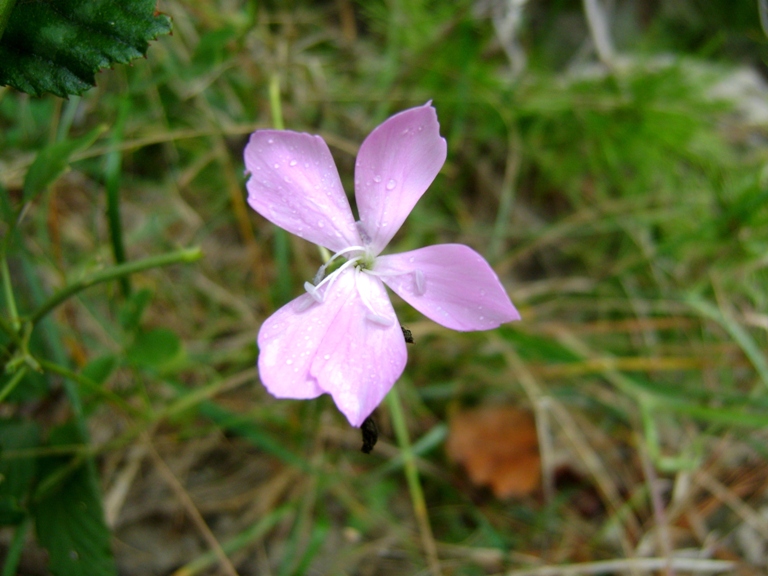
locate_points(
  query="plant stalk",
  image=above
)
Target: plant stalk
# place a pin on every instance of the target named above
(113, 273)
(414, 484)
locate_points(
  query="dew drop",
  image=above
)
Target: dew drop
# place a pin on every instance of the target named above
(391, 185)
(377, 178)
(270, 141)
(289, 362)
(292, 163)
(277, 165)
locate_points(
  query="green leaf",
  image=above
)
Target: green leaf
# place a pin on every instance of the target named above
(155, 349)
(52, 161)
(16, 473)
(58, 46)
(99, 369)
(69, 518)
(133, 309)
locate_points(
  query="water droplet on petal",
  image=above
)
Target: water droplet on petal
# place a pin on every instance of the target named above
(391, 185)
(270, 141)
(289, 362)
(277, 165)
(292, 163)
(377, 178)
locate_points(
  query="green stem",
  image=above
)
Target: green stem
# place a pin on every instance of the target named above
(6, 7)
(412, 477)
(13, 382)
(92, 386)
(282, 246)
(274, 102)
(6, 327)
(17, 546)
(113, 273)
(10, 301)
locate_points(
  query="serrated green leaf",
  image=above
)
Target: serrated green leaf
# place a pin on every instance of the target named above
(70, 520)
(154, 349)
(57, 46)
(52, 161)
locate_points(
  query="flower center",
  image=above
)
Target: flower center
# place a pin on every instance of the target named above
(362, 260)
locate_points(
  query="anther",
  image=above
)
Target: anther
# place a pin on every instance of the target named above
(419, 282)
(312, 290)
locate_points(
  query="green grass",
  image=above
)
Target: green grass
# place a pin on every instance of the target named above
(626, 212)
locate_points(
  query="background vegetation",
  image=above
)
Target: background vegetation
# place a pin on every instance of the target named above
(619, 186)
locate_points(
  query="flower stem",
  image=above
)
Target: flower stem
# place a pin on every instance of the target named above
(274, 102)
(282, 244)
(113, 273)
(414, 484)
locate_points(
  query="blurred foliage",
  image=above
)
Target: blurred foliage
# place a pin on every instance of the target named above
(624, 206)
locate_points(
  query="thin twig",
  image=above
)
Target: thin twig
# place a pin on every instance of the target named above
(598, 28)
(699, 565)
(190, 507)
(659, 513)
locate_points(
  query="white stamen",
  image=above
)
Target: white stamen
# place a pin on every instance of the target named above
(318, 276)
(312, 290)
(304, 304)
(419, 282)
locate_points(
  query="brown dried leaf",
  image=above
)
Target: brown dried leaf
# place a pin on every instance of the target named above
(498, 446)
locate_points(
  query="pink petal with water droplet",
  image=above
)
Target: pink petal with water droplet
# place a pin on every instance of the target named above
(308, 348)
(451, 284)
(294, 184)
(360, 359)
(288, 342)
(396, 164)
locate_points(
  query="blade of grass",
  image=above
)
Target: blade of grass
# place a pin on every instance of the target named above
(414, 484)
(112, 172)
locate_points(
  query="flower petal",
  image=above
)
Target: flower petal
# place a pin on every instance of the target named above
(288, 342)
(343, 346)
(396, 164)
(449, 283)
(361, 356)
(294, 183)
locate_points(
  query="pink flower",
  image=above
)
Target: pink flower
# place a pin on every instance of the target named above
(342, 336)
